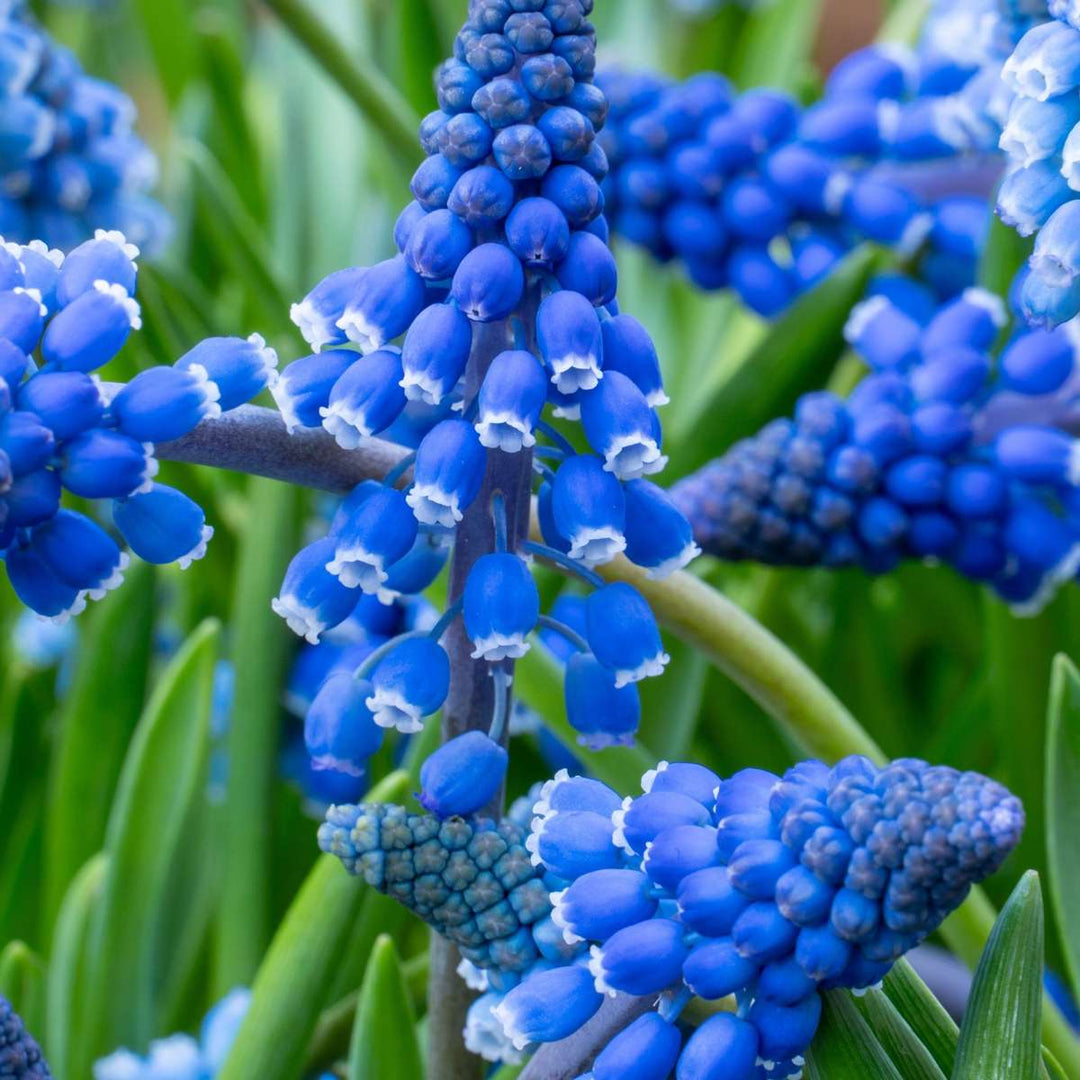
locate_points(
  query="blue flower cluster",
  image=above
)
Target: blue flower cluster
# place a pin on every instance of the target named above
(20, 1055)
(762, 887)
(70, 161)
(1042, 142)
(61, 428)
(503, 296)
(942, 453)
(754, 193)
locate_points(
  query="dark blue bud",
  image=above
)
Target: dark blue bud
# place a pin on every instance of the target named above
(602, 902)
(821, 953)
(430, 132)
(885, 212)
(574, 192)
(579, 51)
(569, 133)
(100, 464)
(462, 776)
(761, 933)
(975, 490)
(537, 232)
(465, 139)
(589, 268)
(722, 1047)
(522, 152)
(753, 211)
(940, 428)
(26, 442)
(917, 481)
(784, 1031)
(483, 196)
(489, 283)
(601, 713)
(590, 101)
(695, 230)
(503, 102)
(764, 285)
(434, 180)
(881, 523)
(715, 969)
(641, 959)
(490, 55)
(529, 32)
(437, 244)
(339, 731)
(757, 865)
(1038, 362)
(678, 852)
(455, 85)
(32, 498)
(846, 126)
(647, 1049)
(547, 77)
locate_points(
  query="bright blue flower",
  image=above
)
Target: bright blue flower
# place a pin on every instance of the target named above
(303, 388)
(602, 713)
(240, 368)
(623, 634)
(488, 283)
(511, 400)
(647, 1049)
(435, 352)
(382, 304)
(602, 902)
(463, 775)
(589, 509)
(162, 525)
(627, 348)
(366, 399)
(165, 403)
(548, 1006)
(502, 606)
(20, 1055)
(376, 531)
(449, 472)
(312, 599)
(570, 341)
(320, 312)
(90, 331)
(621, 427)
(340, 732)
(409, 683)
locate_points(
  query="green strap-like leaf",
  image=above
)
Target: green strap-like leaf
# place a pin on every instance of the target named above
(384, 1045)
(164, 765)
(64, 988)
(927, 1017)
(290, 989)
(844, 1047)
(912, 1059)
(259, 643)
(1063, 810)
(999, 1039)
(776, 44)
(22, 982)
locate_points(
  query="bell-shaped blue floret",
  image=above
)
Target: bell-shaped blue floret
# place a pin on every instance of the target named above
(602, 902)
(622, 428)
(435, 353)
(26, 442)
(678, 852)
(1029, 195)
(463, 775)
(37, 586)
(1048, 297)
(66, 402)
(762, 284)
(571, 843)
(164, 403)
(658, 537)
(1038, 455)
(629, 349)
(239, 367)
(642, 820)
(548, 1006)
(602, 713)
(569, 336)
(22, 319)
(449, 471)
(372, 537)
(502, 606)
(761, 933)
(589, 269)
(623, 633)
(566, 792)
(1045, 62)
(647, 1049)
(416, 570)
(537, 232)
(108, 257)
(973, 320)
(383, 304)
(641, 959)
(685, 777)
(511, 400)
(1038, 363)
(433, 182)
(367, 399)
(311, 599)
(884, 336)
(785, 1031)
(722, 1048)
(13, 363)
(339, 731)
(303, 388)
(482, 197)
(80, 553)
(437, 245)
(803, 898)
(715, 969)
(1036, 129)
(103, 464)
(409, 683)
(319, 313)
(489, 283)
(29, 499)
(822, 953)
(91, 330)
(589, 510)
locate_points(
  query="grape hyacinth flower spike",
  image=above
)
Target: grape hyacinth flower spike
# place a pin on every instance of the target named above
(20, 1055)
(941, 453)
(62, 428)
(763, 887)
(497, 315)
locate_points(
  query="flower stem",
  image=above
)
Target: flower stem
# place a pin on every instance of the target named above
(567, 632)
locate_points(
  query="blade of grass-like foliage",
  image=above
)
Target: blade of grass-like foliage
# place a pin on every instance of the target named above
(161, 772)
(776, 44)
(377, 98)
(912, 1059)
(1004, 253)
(420, 49)
(384, 1045)
(999, 1039)
(925, 1015)
(289, 992)
(22, 982)
(796, 356)
(65, 983)
(844, 1047)
(168, 28)
(904, 21)
(259, 642)
(98, 716)
(1063, 810)
(538, 681)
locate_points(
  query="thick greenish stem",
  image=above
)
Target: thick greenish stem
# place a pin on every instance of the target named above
(375, 95)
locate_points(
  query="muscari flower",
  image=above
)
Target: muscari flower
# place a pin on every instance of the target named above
(20, 1055)
(61, 428)
(183, 1057)
(939, 454)
(70, 159)
(763, 887)
(499, 304)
